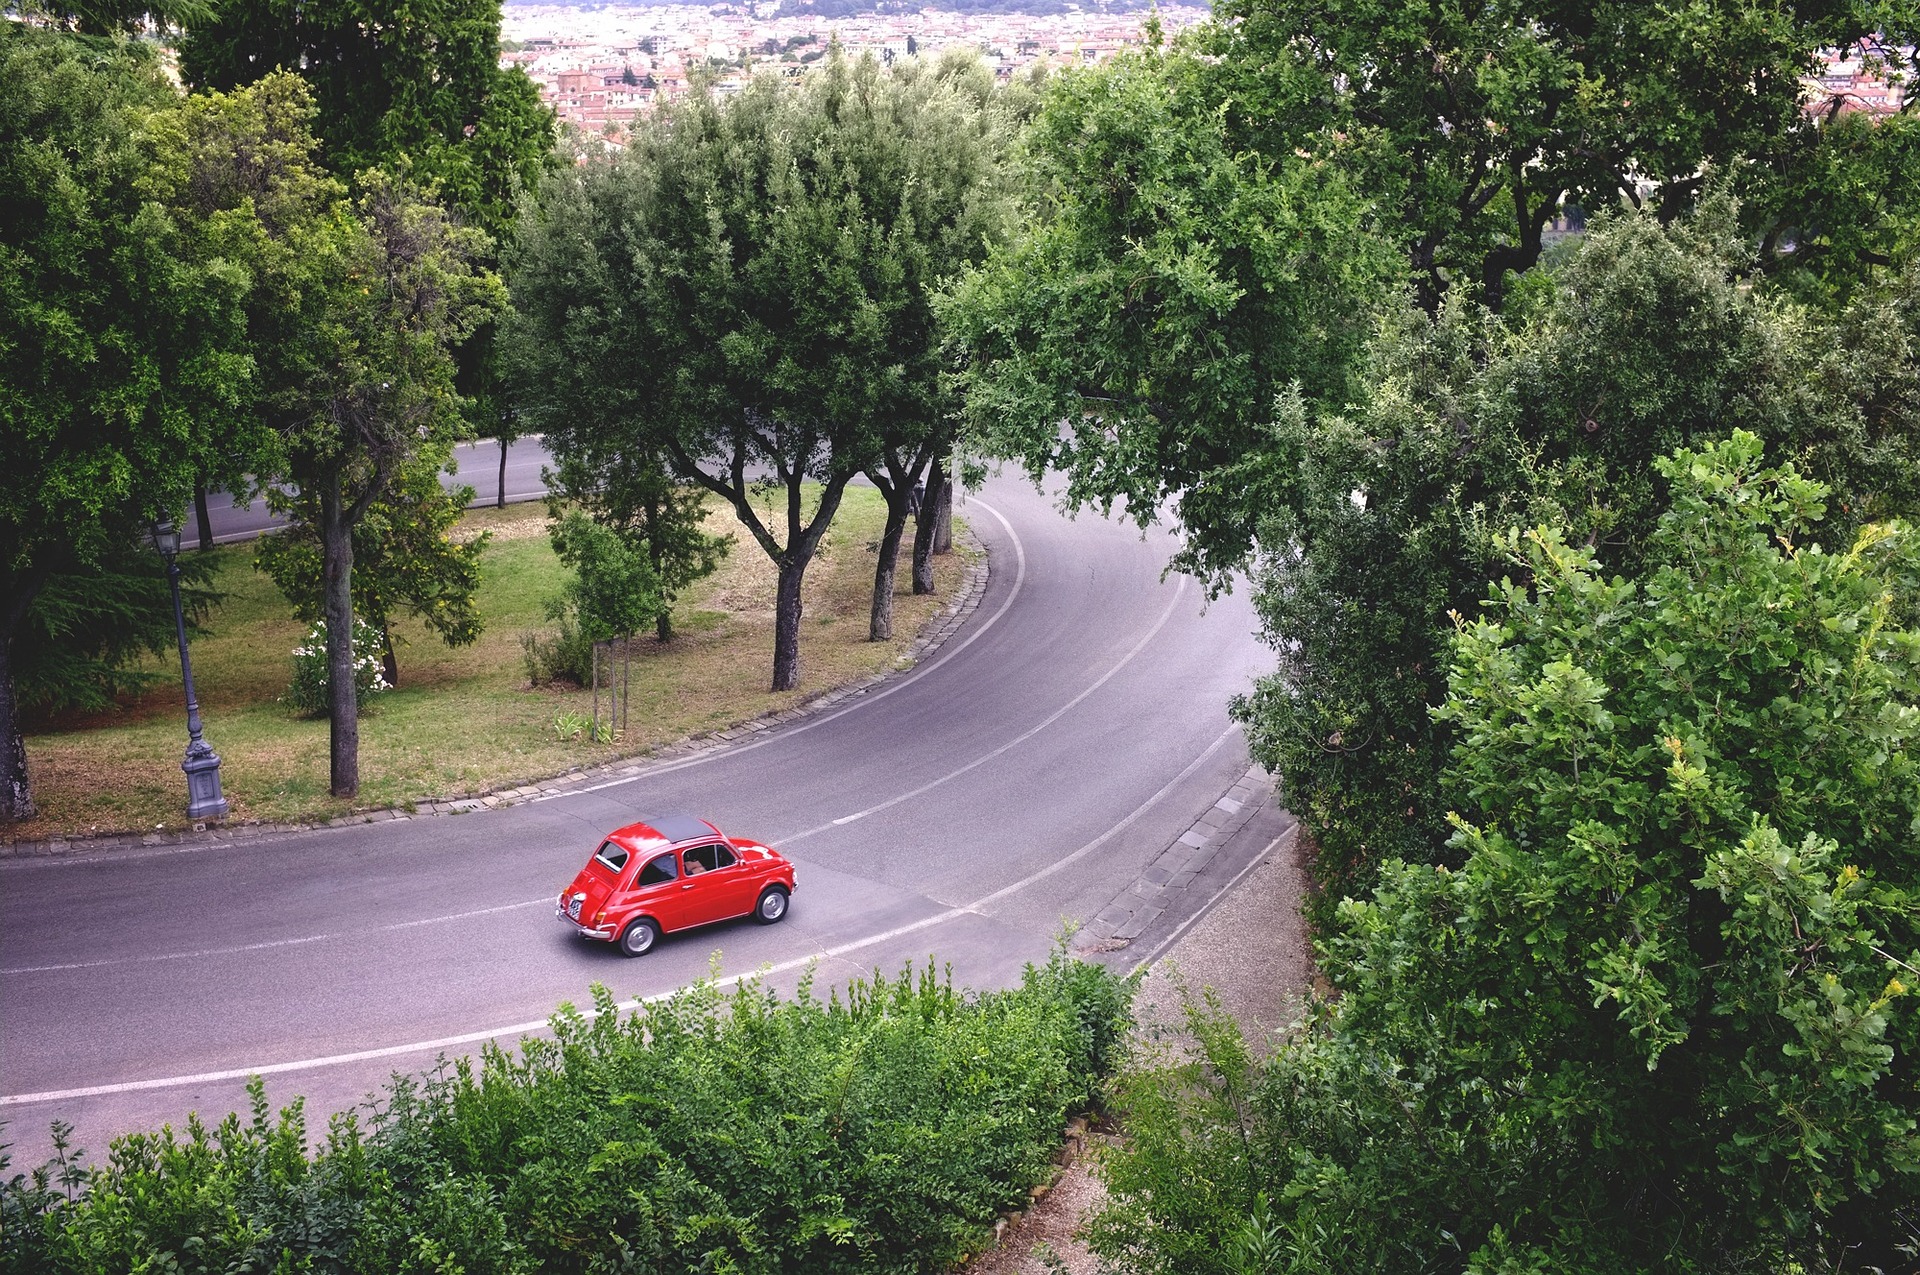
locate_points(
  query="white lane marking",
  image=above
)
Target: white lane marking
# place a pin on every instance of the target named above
(273, 943)
(1138, 811)
(945, 654)
(1179, 588)
(530, 1028)
(1020, 576)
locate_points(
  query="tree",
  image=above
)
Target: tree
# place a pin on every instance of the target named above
(88, 624)
(614, 592)
(425, 84)
(123, 338)
(967, 198)
(403, 557)
(1170, 287)
(637, 498)
(392, 292)
(417, 91)
(105, 17)
(1477, 124)
(1645, 339)
(750, 275)
(566, 376)
(1660, 1011)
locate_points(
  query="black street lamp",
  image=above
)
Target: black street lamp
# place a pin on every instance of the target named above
(202, 764)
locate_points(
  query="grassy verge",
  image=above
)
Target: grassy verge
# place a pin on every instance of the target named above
(465, 720)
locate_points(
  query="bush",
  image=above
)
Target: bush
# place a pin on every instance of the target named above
(1658, 1013)
(565, 654)
(307, 694)
(880, 1130)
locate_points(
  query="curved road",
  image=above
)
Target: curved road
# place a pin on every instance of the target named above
(1024, 775)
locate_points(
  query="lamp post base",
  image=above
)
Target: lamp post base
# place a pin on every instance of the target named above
(204, 799)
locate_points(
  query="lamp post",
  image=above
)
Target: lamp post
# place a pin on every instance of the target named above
(202, 764)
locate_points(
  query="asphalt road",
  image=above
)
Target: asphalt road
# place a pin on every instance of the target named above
(1021, 777)
(476, 464)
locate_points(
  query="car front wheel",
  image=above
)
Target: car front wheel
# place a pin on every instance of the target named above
(772, 905)
(638, 939)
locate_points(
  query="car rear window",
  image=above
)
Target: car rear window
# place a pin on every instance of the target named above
(613, 855)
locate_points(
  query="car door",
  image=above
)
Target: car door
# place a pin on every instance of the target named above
(657, 892)
(718, 885)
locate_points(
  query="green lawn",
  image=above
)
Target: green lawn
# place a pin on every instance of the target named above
(465, 720)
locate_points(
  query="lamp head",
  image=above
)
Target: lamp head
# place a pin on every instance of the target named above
(166, 537)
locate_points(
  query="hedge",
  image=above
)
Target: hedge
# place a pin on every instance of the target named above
(716, 1131)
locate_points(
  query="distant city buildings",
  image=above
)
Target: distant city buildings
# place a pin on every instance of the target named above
(1856, 79)
(600, 66)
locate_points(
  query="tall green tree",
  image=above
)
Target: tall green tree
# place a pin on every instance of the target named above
(748, 282)
(415, 90)
(404, 558)
(124, 359)
(1646, 339)
(569, 379)
(371, 389)
(1660, 1012)
(1171, 285)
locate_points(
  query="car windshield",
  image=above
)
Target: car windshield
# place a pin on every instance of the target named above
(612, 855)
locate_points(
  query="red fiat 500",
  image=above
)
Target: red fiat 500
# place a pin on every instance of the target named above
(649, 879)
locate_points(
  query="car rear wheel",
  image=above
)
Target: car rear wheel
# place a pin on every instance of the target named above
(638, 939)
(772, 905)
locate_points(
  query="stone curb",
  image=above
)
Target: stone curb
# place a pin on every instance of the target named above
(944, 624)
(1174, 869)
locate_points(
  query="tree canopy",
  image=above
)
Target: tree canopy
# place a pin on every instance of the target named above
(1476, 124)
(419, 85)
(1659, 1012)
(125, 367)
(1646, 338)
(746, 290)
(1168, 288)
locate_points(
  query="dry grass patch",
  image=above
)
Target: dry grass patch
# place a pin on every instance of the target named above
(464, 721)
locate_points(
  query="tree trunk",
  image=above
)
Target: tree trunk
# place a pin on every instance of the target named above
(336, 603)
(943, 512)
(786, 622)
(651, 513)
(923, 526)
(200, 513)
(880, 626)
(16, 792)
(501, 502)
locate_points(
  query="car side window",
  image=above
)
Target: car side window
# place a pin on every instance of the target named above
(707, 858)
(657, 872)
(612, 854)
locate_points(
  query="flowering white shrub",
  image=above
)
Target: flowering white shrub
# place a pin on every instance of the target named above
(307, 694)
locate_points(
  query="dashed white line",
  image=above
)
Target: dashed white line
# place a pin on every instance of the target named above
(273, 943)
(946, 653)
(532, 1027)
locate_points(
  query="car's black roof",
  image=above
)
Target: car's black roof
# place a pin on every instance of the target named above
(681, 828)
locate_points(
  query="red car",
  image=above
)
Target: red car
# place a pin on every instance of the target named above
(649, 879)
